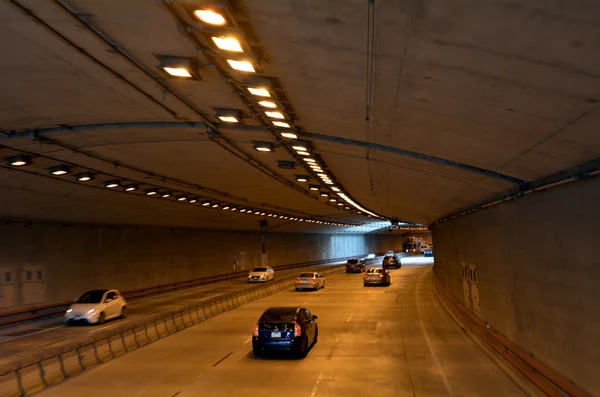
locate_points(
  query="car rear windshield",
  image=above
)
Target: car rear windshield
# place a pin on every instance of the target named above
(279, 316)
(353, 261)
(306, 275)
(94, 296)
(374, 270)
(259, 269)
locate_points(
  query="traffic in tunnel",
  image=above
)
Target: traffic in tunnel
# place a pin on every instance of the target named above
(322, 198)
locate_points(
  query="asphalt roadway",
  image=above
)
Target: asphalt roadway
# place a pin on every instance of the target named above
(373, 341)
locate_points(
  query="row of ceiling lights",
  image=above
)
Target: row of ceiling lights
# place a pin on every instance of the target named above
(276, 117)
(63, 169)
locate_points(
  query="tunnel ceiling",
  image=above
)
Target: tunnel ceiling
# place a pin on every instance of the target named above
(414, 110)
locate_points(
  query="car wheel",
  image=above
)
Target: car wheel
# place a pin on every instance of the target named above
(69, 323)
(123, 312)
(101, 319)
(297, 289)
(364, 284)
(304, 351)
(317, 287)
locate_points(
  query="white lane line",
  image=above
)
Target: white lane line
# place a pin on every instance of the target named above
(349, 318)
(431, 350)
(247, 341)
(313, 393)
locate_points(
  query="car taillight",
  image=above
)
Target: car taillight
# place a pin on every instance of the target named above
(256, 330)
(313, 281)
(297, 330)
(381, 276)
(365, 275)
(297, 281)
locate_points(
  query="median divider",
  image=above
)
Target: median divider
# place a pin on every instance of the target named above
(37, 372)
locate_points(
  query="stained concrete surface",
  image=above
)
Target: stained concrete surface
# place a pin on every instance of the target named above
(373, 341)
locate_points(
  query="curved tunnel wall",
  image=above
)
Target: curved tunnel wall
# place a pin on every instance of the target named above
(537, 262)
(49, 264)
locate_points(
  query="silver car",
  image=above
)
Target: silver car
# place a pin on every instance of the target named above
(309, 280)
(376, 276)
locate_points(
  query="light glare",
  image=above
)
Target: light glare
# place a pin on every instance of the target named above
(228, 44)
(210, 17)
(275, 115)
(178, 72)
(259, 91)
(229, 119)
(243, 66)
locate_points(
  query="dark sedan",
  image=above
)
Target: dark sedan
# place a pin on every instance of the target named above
(285, 330)
(391, 261)
(354, 266)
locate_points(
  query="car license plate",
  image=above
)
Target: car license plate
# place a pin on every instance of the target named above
(275, 334)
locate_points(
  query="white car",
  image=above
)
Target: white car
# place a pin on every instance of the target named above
(97, 306)
(261, 275)
(310, 280)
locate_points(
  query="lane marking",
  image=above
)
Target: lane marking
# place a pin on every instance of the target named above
(313, 393)
(429, 344)
(223, 359)
(35, 333)
(108, 326)
(349, 318)
(247, 341)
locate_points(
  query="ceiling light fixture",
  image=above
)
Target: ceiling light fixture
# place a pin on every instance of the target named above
(332, 199)
(302, 153)
(205, 203)
(183, 197)
(309, 160)
(210, 17)
(256, 212)
(226, 207)
(166, 194)
(286, 164)
(131, 187)
(263, 146)
(275, 115)
(268, 104)
(193, 200)
(283, 124)
(302, 178)
(214, 205)
(85, 176)
(112, 184)
(60, 170)
(229, 115)
(243, 210)
(259, 91)
(242, 66)
(19, 160)
(181, 67)
(227, 44)
(335, 188)
(313, 187)
(324, 194)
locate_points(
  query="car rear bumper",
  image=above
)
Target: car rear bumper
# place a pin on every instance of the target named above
(287, 346)
(375, 282)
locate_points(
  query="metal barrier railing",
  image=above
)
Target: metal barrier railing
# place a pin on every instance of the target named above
(34, 313)
(40, 371)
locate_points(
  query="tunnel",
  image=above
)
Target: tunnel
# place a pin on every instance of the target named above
(162, 153)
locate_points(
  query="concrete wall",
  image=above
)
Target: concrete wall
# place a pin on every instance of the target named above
(52, 263)
(538, 271)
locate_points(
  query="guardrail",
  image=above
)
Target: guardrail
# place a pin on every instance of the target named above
(34, 313)
(53, 366)
(547, 379)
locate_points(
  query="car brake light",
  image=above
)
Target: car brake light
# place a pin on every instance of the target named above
(381, 276)
(297, 281)
(365, 275)
(297, 330)
(312, 281)
(256, 330)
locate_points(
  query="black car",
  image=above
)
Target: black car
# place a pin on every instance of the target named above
(285, 330)
(391, 261)
(354, 266)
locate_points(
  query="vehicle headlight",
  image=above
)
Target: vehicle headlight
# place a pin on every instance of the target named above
(69, 310)
(92, 311)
